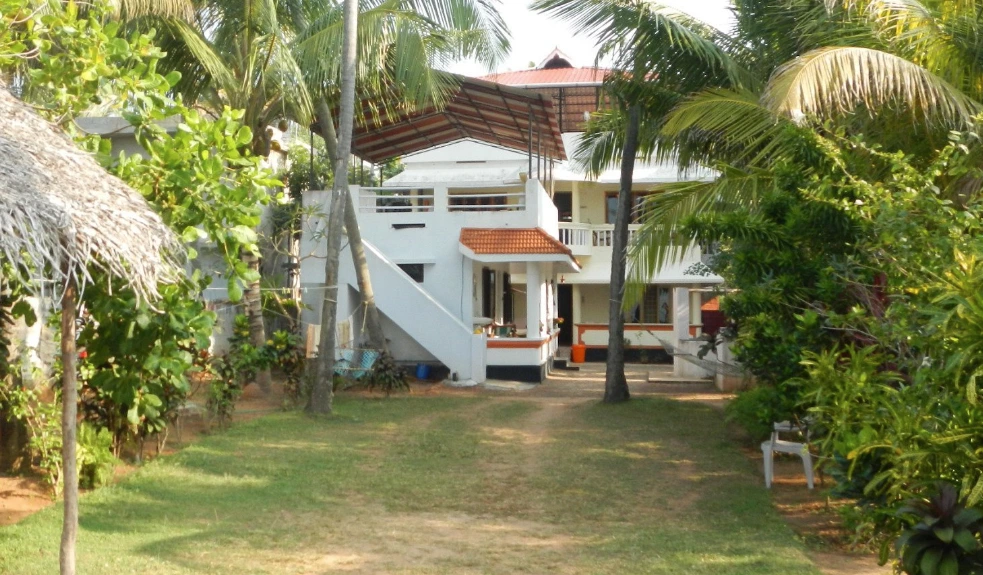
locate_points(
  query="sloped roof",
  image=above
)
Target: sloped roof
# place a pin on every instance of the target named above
(502, 241)
(540, 77)
(65, 215)
(481, 110)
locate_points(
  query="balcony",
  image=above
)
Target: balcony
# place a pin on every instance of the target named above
(583, 239)
(436, 208)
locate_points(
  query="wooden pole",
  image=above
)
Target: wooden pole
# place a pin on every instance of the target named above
(69, 400)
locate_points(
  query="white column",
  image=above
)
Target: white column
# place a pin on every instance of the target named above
(535, 290)
(680, 322)
(680, 325)
(499, 296)
(575, 203)
(696, 311)
(577, 315)
(467, 293)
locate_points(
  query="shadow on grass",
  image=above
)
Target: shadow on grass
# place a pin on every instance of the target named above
(415, 485)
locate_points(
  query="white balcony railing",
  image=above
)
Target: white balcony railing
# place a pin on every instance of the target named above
(577, 237)
(502, 202)
(398, 200)
(395, 200)
(581, 238)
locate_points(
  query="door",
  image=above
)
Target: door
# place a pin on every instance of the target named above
(564, 206)
(564, 307)
(508, 309)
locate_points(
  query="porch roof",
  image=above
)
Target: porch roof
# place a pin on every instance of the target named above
(515, 245)
(488, 112)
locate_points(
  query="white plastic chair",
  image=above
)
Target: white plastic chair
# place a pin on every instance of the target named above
(768, 448)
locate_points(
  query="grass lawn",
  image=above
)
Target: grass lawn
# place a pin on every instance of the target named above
(436, 485)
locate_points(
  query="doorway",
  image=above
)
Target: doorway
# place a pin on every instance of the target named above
(564, 307)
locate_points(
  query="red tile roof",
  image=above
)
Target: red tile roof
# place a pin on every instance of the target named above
(512, 241)
(550, 77)
(712, 305)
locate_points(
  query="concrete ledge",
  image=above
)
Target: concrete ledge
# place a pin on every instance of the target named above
(526, 373)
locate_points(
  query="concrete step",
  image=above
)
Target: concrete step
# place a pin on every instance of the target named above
(662, 378)
(564, 364)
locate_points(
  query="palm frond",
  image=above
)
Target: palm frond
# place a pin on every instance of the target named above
(476, 27)
(836, 80)
(658, 242)
(726, 125)
(654, 42)
(156, 9)
(210, 61)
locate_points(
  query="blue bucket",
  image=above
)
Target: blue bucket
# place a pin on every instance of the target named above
(422, 371)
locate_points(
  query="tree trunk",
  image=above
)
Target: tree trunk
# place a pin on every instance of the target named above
(373, 323)
(322, 394)
(615, 382)
(253, 299)
(69, 399)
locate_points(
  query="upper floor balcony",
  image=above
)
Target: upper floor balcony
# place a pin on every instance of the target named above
(594, 243)
(522, 205)
(586, 239)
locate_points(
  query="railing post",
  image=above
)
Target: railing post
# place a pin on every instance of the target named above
(440, 199)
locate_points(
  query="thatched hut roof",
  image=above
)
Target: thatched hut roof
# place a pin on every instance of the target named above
(57, 202)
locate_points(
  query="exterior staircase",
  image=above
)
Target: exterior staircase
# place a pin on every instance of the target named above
(404, 302)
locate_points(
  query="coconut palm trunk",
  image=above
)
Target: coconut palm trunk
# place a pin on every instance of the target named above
(69, 401)
(322, 393)
(615, 382)
(253, 300)
(373, 323)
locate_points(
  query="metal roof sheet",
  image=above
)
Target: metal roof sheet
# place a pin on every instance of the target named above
(481, 110)
(551, 77)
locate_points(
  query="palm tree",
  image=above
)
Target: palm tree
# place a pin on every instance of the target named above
(742, 102)
(402, 44)
(281, 60)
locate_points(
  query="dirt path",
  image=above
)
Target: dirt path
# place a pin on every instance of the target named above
(806, 512)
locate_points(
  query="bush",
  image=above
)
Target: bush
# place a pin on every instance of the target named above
(758, 408)
(387, 376)
(96, 461)
(943, 537)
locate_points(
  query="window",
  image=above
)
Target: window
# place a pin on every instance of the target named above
(415, 271)
(654, 308)
(611, 206)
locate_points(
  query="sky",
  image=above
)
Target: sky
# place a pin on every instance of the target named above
(534, 36)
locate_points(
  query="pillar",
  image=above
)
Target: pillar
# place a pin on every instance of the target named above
(499, 297)
(575, 203)
(680, 320)
(696, 311)
(535, 290)
(680, 328)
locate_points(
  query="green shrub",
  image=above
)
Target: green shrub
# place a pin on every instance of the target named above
(96, 461)
(758, 408)
(943, 537)
(387, 376)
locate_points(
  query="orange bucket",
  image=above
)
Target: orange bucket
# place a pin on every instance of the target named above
(578, 353)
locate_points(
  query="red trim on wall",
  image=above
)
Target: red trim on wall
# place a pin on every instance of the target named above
(518, 343)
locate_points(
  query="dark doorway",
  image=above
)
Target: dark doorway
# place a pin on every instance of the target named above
(508, 310)
(564, 306)
(488, 293)
(564, 206)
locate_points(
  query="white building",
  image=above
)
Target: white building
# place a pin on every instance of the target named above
(489, 224)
